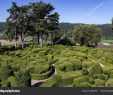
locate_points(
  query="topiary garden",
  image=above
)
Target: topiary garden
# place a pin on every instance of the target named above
(73, 66)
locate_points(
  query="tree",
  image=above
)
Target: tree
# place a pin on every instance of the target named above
(36, 18)
(88, 35)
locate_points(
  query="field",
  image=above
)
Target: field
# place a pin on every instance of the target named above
(108, 41)
(6, 42)
(56, 66)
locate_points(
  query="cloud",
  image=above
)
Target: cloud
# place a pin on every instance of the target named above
(95, 9)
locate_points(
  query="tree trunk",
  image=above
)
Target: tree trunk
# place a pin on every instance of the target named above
(41, 39)
(51, 38)
(22, 40)
(38, 38)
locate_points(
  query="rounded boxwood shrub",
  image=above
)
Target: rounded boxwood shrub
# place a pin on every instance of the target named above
(5, 83)
(99, 83)
(78, 80)
(12, 81)
(76, 64)
(84, 84)
(64, 82)
(87, 64)
(95, 76)
(51, 82)
(23, 79)
(103, 76)
(95, 69)
(5, 71)
(69, 67)
(84, 71)
(109, 83)
(91, 81)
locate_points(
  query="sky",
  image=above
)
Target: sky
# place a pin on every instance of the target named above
(72, 11)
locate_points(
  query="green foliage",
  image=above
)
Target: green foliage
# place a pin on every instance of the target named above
(23, 79)
(88, 35)
(41, 76)
(84, 71)
(95, 69)
(109, 83)
(99, 83)
(81, 81)
(5, 83)
(12, 81)
(5, 71)
(51, 82)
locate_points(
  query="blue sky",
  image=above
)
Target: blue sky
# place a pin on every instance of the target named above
(73, 11)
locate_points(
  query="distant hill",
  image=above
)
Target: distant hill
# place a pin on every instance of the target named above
(67, 28)
(107, 32)
(2, 27)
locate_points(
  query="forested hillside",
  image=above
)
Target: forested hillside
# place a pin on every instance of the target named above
(2, 26)
(67, 28)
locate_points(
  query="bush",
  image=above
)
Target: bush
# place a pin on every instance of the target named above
(109, 83)
(5, 83)
(95, 76)
(84, 84)
(51, 82)
(76, 64)
(41, 76)
(12, 81)
(5, 71)
(103, 77)
(23, 79)
(69, 67)
(78, 80)
(64, 82)
(87, 64)
(91, 81)
(95, 69)
(99, 83)
(84, 71)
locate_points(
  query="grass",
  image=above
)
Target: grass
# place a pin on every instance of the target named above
(108, 41)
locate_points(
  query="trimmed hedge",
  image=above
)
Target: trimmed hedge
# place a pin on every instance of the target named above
(95, 69)
(109, 83)
(51, 82)
(99, 83)
(41, 76)
(79, 80)
(12, 81)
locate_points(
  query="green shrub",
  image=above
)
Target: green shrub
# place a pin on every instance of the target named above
(12, 81)
(99, 83)
(64, 82)
(84, 71)
(78, 80)
(41, 76)
(84, 84)
(103, 76)
(109, 83)
(95, 76)
(76, 64)
(5, 83)
(23, 79)
(87, 64)
(91, 81)
(69, 67)
(5, 71)
(95, 69)
(51, 82)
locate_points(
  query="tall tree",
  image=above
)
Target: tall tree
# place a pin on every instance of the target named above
(88, 35)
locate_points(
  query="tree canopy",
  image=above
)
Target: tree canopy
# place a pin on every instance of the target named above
(88, 35)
